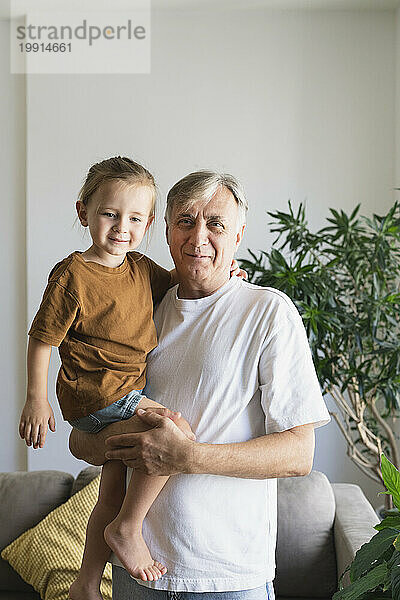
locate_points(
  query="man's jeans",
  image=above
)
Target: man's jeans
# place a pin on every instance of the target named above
(126, 588)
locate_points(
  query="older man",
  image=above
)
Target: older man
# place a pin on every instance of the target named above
(234, 359)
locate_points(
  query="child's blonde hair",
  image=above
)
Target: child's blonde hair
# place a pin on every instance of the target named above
(117, 168)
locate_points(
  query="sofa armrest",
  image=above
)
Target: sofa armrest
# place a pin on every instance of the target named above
(354, 523)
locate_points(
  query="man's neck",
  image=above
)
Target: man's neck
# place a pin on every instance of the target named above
(193, 290)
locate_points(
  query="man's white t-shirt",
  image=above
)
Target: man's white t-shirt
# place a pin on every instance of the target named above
(237, 365)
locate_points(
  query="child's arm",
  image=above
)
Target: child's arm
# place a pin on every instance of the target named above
(174, 277)
(236, 271)
(37, 412)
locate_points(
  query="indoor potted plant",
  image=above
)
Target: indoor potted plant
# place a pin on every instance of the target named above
(344, 280)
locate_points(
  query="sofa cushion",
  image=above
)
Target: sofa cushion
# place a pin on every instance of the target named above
(49, 555)
(84, 478)
(305, 555)
(25, 498)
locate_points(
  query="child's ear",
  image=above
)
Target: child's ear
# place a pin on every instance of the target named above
(82, 213)
(149, 222)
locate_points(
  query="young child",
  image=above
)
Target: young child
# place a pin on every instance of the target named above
(98, 308)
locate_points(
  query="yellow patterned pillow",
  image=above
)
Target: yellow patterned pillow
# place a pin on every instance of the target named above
(49, 555)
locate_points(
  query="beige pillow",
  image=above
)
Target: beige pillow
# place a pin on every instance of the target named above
(49, 555)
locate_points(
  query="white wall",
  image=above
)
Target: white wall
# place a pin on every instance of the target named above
(298, 105)
(13, 296)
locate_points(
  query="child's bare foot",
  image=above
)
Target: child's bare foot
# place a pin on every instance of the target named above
(132, 551)
(82, 591)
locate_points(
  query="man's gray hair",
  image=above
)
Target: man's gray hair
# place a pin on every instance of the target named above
(202, 185)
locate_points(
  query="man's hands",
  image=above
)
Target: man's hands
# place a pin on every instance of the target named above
(166, 449)
(176, 417)
(36, 416)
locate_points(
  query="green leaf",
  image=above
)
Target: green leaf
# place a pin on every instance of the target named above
(369, 582)
(355, 211)
(385, 595)
(394, 560)
(387, 584)
(371, 551)
(391, 478)
(395, 576)
(392, 522)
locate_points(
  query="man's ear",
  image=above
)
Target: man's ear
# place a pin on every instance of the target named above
(82, 213)
(239, 235)
(166, 231)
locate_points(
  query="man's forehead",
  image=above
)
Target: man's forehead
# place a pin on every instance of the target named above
(222, 204)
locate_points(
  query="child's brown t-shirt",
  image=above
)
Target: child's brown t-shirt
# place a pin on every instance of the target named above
(101, 318)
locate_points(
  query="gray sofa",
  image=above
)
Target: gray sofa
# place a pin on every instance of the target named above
(320, 527)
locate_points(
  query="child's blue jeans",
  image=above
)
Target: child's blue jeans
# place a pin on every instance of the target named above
(117, 411)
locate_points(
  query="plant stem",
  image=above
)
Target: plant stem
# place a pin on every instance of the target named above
(385, 426)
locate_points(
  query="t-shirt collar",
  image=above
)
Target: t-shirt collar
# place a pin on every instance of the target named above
(193, 304)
